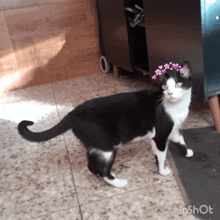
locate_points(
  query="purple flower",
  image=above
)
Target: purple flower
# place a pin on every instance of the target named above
(154, 77)
(170, 63)
(182, 70)
(163, 71)
(166, 66)
(177, 70)
(160, 67)
(158, 72)
(171, 68)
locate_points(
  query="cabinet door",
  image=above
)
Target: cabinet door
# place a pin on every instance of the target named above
(211, 45)
(114, 36)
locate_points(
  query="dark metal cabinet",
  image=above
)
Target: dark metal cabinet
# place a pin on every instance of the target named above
(174, 34)
(171, 31)
(210, 11)
(121, 44)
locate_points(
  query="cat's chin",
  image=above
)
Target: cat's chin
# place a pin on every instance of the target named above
(172, 100)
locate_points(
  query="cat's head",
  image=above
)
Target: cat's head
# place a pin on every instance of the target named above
(176, 83)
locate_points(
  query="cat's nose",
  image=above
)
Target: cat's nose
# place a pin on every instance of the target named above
(170, 93)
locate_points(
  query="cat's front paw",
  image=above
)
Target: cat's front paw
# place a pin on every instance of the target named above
(166, 171)
(189, 153)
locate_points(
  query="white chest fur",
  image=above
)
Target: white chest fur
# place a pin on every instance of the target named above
(178, 111)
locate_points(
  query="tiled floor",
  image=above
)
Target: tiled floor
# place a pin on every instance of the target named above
(51, 181)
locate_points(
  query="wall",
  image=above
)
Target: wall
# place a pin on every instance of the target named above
(47, 43)
(15, 4)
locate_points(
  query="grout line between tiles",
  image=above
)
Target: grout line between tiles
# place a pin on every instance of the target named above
(53, 212)
(115, 195)
(73, 181)
(77, 196)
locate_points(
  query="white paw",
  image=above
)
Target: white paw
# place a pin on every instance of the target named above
(113, 174)
(165, 171)
(116, 182)
(189, 153)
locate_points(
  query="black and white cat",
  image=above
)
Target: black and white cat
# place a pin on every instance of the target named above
(105, 124)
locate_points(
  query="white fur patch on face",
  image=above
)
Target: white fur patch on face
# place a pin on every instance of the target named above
(178, 111)
(172, 93)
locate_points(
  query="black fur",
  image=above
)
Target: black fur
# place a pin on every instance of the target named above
(104, 123)
(164, 125)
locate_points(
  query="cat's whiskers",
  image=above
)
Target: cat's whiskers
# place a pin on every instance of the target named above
(160, 100)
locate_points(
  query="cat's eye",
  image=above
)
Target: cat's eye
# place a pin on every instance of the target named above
(164, 87)
(178, 85)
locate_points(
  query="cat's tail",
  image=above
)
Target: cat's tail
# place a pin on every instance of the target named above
(58, 129)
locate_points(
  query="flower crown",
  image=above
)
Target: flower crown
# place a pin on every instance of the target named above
(169, 66)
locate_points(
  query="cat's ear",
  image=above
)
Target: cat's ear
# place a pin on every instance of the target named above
(187, 67)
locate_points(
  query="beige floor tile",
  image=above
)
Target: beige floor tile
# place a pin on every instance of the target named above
(96, 85)
(36, 179)
(41, 195)
(134, 162)
(70, 214)
(157, 202)
(36, 104)
(199, 116)
(21, 164)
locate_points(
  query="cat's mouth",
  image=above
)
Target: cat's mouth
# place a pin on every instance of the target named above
(172, 99)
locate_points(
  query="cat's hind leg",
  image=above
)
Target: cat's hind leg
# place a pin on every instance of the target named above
(116, 182)
(178, 139)
(107, 177)
(101, 162)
